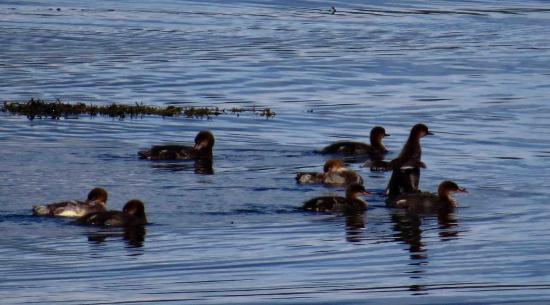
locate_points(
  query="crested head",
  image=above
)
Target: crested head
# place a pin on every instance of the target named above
(135, 208)
(332, 165)
(204, 140)
(420, 130)
(98, 194)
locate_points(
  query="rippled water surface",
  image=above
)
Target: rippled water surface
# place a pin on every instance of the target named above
(477, 72)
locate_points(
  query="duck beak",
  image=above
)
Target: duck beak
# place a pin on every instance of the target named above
(462, 190)
(429, 133)
(387, 135)
(366, 193)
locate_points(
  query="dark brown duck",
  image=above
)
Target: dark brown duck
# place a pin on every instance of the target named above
(96, 202)
(352, 203)
(406, 167)
(335, 173)
(429, 202)
(204, 142)
(133, 214)
(376, 149)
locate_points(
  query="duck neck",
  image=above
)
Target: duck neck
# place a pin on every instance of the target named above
(376, 142)
(446, 197)
(412, 149)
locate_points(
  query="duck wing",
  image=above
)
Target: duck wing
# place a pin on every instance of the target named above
(417, 202)
(309, 178)
(325, 204)
(347, 148)
(168, 152)
(108, 218)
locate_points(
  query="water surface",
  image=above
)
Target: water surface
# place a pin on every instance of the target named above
(475, 71)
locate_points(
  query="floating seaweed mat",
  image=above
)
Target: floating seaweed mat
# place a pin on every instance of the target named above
(57, 109)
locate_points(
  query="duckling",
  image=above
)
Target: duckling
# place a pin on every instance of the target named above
(204, 142)
(335, 173)
(406, 167)
(442, 201)
(376, 149)
(133, 214)
(349, 204)
(96, 202)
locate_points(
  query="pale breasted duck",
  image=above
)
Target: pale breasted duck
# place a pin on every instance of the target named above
(335, 173)
(429, 202)
(349, 204)
(376, 149)
(96, 202)
(133, 214)
(406, 167)
(204, 142)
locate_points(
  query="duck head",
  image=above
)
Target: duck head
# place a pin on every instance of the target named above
(135, 208)
(204, 141)
(378, 133)
(420, 130)
(98, 194)
(447, 188)
(333, 165)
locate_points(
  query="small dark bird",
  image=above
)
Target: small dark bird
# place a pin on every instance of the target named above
(204, 142)
(349, 204)
(429, 202)
(133, 214)
(376, 150)
(406, 167)
(96, 202)
(332, 10)
(335, 173)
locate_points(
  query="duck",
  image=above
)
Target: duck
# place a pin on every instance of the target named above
(335, 173)
(349, 204)
(429, 202)
(132, 214)
(376, 149)
(96, 202)
(406, 167)
(204, 142)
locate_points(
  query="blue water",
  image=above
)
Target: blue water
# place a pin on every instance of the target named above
(476, 72)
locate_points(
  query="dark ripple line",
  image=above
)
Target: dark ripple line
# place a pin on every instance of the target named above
(277, 291)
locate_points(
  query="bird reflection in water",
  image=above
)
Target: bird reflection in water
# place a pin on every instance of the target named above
(355, 228)
(200, 166)
(407, 229)
(134, 236)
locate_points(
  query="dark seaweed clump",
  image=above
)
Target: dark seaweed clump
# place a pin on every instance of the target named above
(55, 110)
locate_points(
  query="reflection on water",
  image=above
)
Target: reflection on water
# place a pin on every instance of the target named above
(355, 228)
(407, 229)
(134, 236)
(202, 167)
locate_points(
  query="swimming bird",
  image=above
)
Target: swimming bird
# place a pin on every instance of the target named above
(133, 214)
(96, 202)
(335, 173)
(204, 142)
(406, 167)
(376, 149)
(349, 204)
(429, 202)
